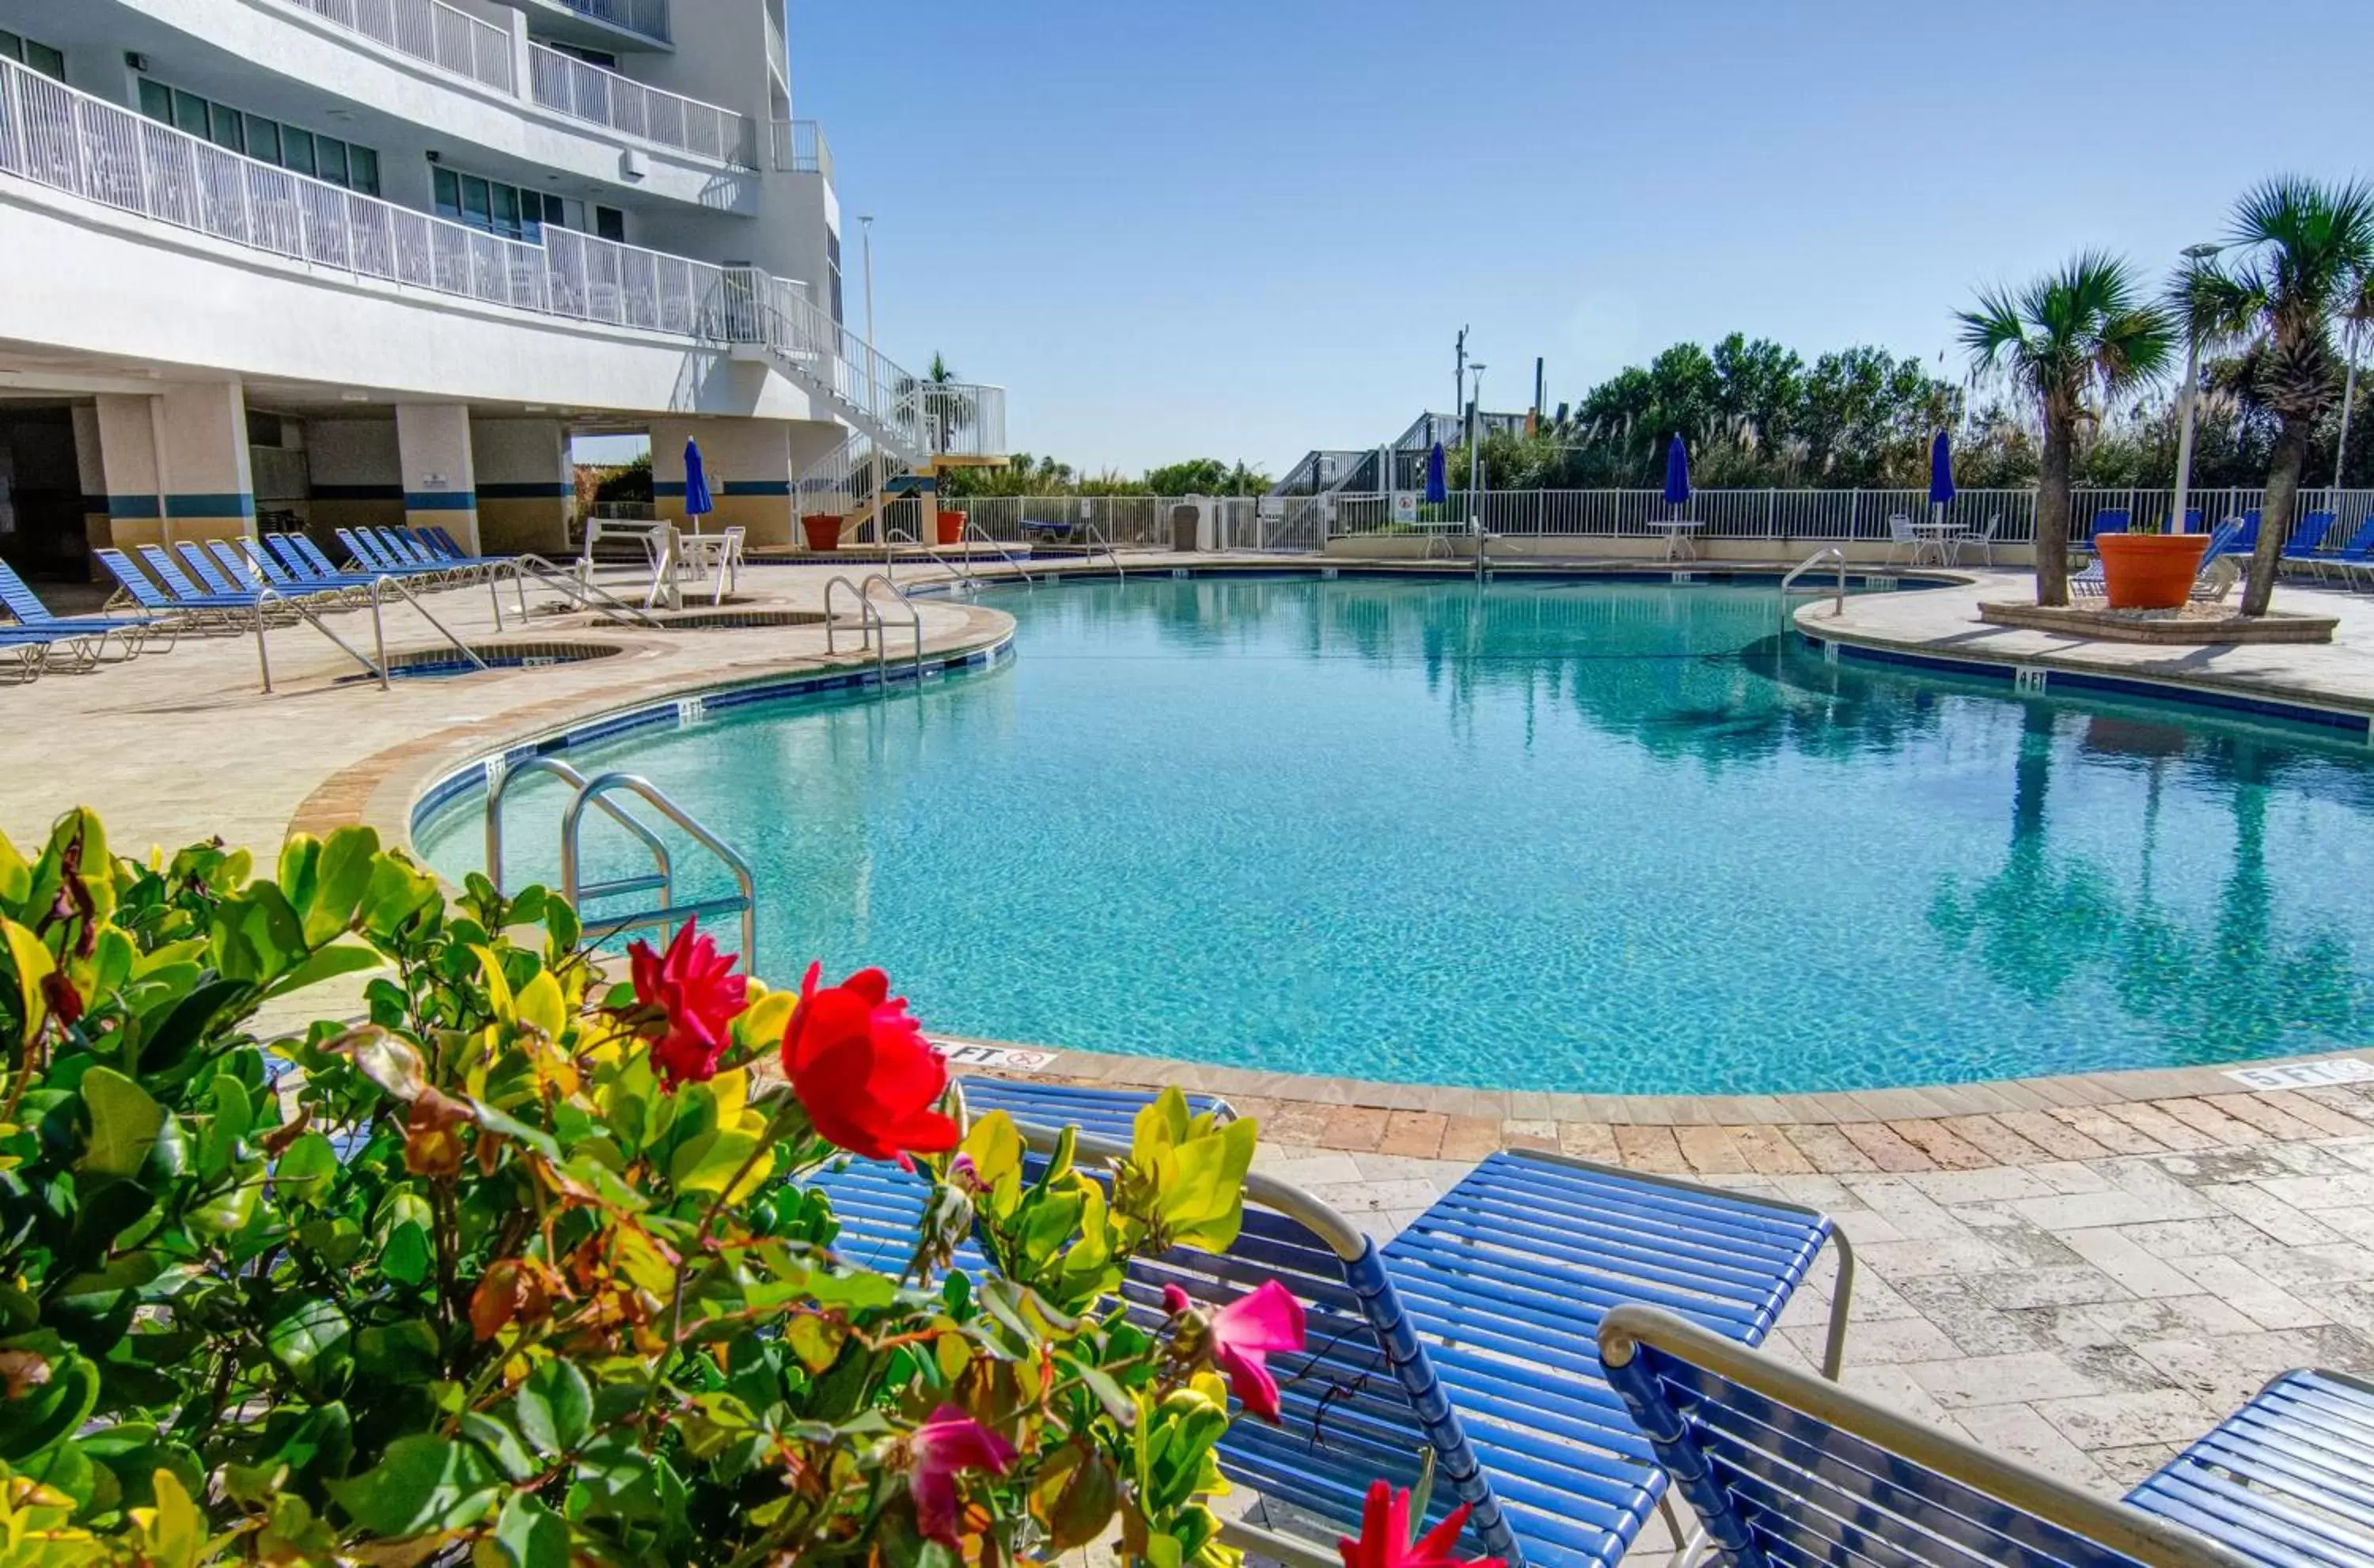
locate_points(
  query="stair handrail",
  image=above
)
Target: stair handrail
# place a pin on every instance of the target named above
(379, 629)
(264, 655)
(972, 528)
(499, 786)
(1101, 540)
(1828, 552)
(589, 596)
(593, 794)
(915, 616)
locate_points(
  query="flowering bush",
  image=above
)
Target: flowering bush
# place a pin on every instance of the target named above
(523, 1268)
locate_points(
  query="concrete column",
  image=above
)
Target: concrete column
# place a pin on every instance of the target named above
(440, 485)
(750, 466)
(92, 473)
(174, 465)
(524, 484)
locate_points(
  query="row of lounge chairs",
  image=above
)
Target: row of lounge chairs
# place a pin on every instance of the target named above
(1562, 1344)
(2311, 548)
(219, 585)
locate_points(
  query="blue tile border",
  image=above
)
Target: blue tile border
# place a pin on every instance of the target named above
(470, 777)
(2060, 677)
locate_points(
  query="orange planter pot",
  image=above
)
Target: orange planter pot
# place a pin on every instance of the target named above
(951, 528)
(823, 530)
(2149, 571)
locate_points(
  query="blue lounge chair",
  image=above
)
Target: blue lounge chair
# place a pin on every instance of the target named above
(38, 640)
(1468, 1344)
(402, 545)
(234, 584)
(2112, 521)
(2208, 585)
(437, 546)
(368, 556)
(306, 562)
(1034, 529)
(1784, 1468)
(2356, 554)
(188, 595)
(195, 613)
(2306, 543)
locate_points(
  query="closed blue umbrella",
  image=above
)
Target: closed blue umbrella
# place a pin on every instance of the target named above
(696, 483)
(1941, 470)
(1677, 472)
(1437, 489)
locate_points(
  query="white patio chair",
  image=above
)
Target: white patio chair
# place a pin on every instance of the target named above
(1983, 541)
(1902, 537)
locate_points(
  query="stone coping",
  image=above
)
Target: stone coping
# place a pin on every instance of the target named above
(2199, 627)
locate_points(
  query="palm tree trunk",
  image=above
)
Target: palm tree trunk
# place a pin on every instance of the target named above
(2053, 508)
(2276, 512)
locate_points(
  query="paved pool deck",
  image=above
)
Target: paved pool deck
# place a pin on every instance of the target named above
(2083, 1272)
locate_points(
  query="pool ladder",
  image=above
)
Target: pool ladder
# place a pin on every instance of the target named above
(597, 794)
(871, 626)
(1829, 553)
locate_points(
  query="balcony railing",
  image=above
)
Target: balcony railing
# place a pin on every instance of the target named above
(964, 419)
(429, 31)
(800, 148)
(73, 142)
(649, 18)
(565, 83)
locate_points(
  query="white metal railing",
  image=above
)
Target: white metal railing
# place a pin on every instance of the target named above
(964, 419)
(649, 18)
(778, 313)
(777, 56)
(71, 141)
(801, 147)
(428, 30)
(583, 91)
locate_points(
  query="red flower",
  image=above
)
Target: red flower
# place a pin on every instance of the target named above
(1241, 1334)
(1385, 1540)
(864, 1070)
(951, 1441)
(693, 986)
(64, 1002)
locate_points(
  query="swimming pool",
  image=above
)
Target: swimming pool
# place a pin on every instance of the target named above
(1590, 836)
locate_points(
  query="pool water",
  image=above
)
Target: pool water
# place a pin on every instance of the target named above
(1601, 838)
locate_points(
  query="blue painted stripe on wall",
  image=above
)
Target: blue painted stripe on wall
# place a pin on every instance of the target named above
(132, 506)
(526, 490)
(358, 492)
(667, 486)
(210, 503)
(754, 487)
(441, 501)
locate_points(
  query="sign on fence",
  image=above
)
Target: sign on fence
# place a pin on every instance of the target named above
(1405, 506)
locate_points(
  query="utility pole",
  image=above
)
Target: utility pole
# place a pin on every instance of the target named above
(1459, 402)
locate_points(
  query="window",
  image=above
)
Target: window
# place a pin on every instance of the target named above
(832, 271)
(477, 202)
(610, 224)
(265, 140)
(512, 211)
(507, 211)
(40, 57)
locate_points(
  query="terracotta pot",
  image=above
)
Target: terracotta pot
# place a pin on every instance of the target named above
(2149, 571)
(823, 530)
(951, 528)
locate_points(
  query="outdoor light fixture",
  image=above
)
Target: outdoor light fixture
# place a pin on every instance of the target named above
(2201, 252)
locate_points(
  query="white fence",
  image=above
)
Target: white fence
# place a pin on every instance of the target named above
(1303, 523)
(583, 91)
(432, 30)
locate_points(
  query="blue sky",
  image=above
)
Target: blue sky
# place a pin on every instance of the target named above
(1241, 229)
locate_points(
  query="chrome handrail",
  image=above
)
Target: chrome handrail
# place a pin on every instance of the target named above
(592, 793)
(972, 528)
(264, 655)
(610, 607)
(379, 627)
(868, 616)
(663, 879)
(915, 618)
(1098, 537)
(1828, 552)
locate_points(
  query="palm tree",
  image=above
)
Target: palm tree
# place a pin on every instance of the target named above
(2307, 254)
(2064, 338)
(949, 410)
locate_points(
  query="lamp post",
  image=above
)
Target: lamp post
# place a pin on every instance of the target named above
(2185, 401)
(866, 230)
(2348, 396)
(1475, 444)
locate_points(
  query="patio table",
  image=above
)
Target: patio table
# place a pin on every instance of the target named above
(1681, 537)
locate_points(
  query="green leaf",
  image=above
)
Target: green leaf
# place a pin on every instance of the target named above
(407, 1258)
(255, 935)
(423, 1484)
(227, 1209)
(50, 1411)
(326, 964)
(312, 1340)
(305, 1171)
(531, 1535)
(393, 896)
(556, 1407)
(496, 1436)
(705, 1163)
(341, 870)
(398, 1352)
(123, 1123)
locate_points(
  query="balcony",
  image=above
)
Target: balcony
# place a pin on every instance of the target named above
(569, 86)
(964, 419)
(428, 30)
(800, 148)
(647, 18)
(70, 141)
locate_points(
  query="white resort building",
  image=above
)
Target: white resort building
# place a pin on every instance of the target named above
(334, 262)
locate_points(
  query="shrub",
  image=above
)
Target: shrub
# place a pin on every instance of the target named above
(523, 1270)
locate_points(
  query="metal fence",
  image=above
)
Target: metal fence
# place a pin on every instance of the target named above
(2009, 516)
(73, 142)
(649, 18)
(1133, 520)
(428, 30)
(801, 147)
(583, 91)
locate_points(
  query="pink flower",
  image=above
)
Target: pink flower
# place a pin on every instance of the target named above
(1239, 1334)
(693, 986)
(949, 1442)
(1385, 1539)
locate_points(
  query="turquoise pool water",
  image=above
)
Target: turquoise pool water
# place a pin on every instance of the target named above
(1596, 838)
